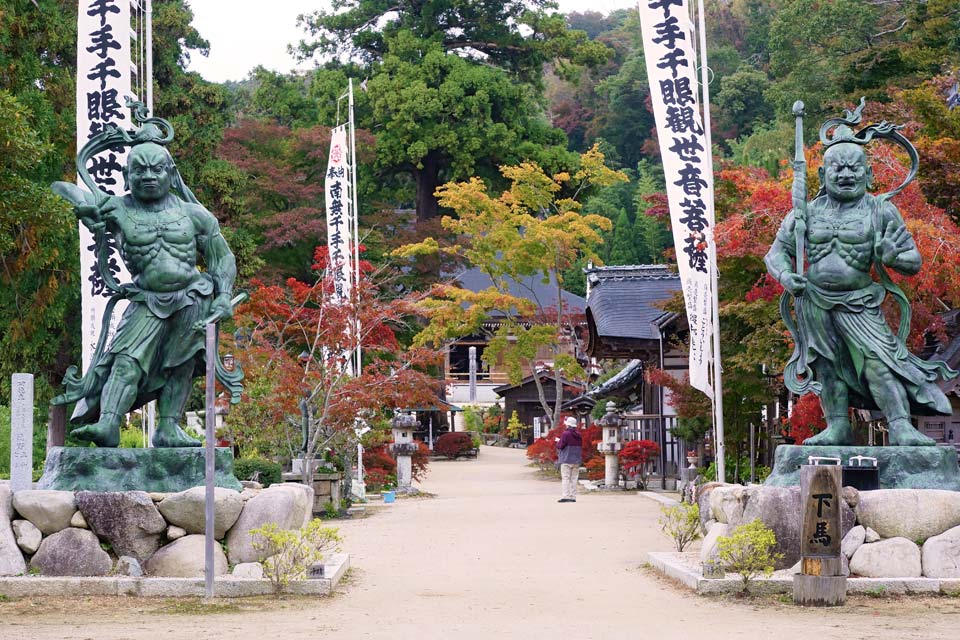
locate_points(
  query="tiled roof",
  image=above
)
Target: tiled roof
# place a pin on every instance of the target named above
(626, 379)
(532, 288)
(624, 302)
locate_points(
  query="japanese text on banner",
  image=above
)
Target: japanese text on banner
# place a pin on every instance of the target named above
(103, 81)
(687, 164)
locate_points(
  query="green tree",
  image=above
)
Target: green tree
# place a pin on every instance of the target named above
(440, 113)
(519, 36)
(38, 252)
(623, 248)
(533, 229)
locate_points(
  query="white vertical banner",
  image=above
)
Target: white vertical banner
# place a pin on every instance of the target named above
(103, 81)
(668, 46)
(339, 215)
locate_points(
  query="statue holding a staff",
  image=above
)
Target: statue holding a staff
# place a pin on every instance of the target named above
(844, 350)
(162, 232)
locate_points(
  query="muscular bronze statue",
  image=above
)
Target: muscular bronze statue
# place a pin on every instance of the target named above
(844, 350)
(159, 345)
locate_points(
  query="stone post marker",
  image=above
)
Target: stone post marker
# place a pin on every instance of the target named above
(610, 447)
(821, 582)
(403, 447)
(21, 432)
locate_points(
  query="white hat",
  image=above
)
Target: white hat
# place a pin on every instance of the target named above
(570, 421)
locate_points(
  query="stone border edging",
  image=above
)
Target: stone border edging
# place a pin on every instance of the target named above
(656, 497)
(225, 586)
(674, 566)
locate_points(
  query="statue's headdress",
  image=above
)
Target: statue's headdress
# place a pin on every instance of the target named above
(147, 129)
(844, 134)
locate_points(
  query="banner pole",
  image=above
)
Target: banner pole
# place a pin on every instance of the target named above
(354, 219)
(719, 448)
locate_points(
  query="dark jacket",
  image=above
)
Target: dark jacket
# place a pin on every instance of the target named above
(570, 447)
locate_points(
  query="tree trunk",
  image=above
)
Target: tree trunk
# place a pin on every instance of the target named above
(428, 179)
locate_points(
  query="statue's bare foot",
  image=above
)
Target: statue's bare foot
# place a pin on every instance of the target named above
(902, 434)
(835, 434)
(102, 434)
(169, 434)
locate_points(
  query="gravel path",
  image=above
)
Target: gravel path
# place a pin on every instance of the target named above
(494, 555)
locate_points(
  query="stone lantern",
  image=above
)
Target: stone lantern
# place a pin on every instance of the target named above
(610, 446)
(403, 448)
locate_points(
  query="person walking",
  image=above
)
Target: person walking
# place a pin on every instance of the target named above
(569, 457)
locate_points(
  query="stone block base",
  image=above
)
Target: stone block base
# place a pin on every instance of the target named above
(160, 470)
(900, 467)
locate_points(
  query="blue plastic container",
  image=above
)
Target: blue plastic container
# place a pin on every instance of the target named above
(388, 496)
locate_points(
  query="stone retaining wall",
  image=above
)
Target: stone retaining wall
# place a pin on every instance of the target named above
(887, 533)
(134, 533)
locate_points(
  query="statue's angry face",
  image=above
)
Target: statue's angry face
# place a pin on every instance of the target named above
(149, 172)
(845, 173)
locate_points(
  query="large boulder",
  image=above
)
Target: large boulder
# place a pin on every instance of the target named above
(127, 566)
(915, 514)
(709, 549)
(727, 503)
(28, 536)
(11, 560)
(49, 511)
(71, 552)
(248, 570)
(941, 555)
(779, 509)
(129, 521)
(184, 558)
(289, 505)
(891, 558)
(186, 510)
(852, 541)
(703, 502)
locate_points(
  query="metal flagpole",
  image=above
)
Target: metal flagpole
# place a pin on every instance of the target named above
(719, 449)
(148, 76)
(210, 434)
(355, 219)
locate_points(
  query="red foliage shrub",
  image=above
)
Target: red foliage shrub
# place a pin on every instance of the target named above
(375, 479)
(419, 461)
(806, 419)
(635, 459)
(453, 444)
(596, 468)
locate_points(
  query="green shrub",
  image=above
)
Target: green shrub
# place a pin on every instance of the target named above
(261, 470)
(287, 554)
(749, 552)
(681, 523)
(131, 438)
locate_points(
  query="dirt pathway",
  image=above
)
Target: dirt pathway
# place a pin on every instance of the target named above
(492, 556)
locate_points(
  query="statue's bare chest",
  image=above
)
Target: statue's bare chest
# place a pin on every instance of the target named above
(171, 226)
(849, 236)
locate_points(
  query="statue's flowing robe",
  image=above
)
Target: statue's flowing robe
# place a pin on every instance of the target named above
(157, 332)
(844, 329)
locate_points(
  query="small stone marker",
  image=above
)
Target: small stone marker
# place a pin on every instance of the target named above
(21, 432)
(820, 582)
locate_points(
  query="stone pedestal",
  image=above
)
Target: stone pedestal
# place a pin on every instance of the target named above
(611, 471)
(158, 470)
(900, 467)
(404, 474)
